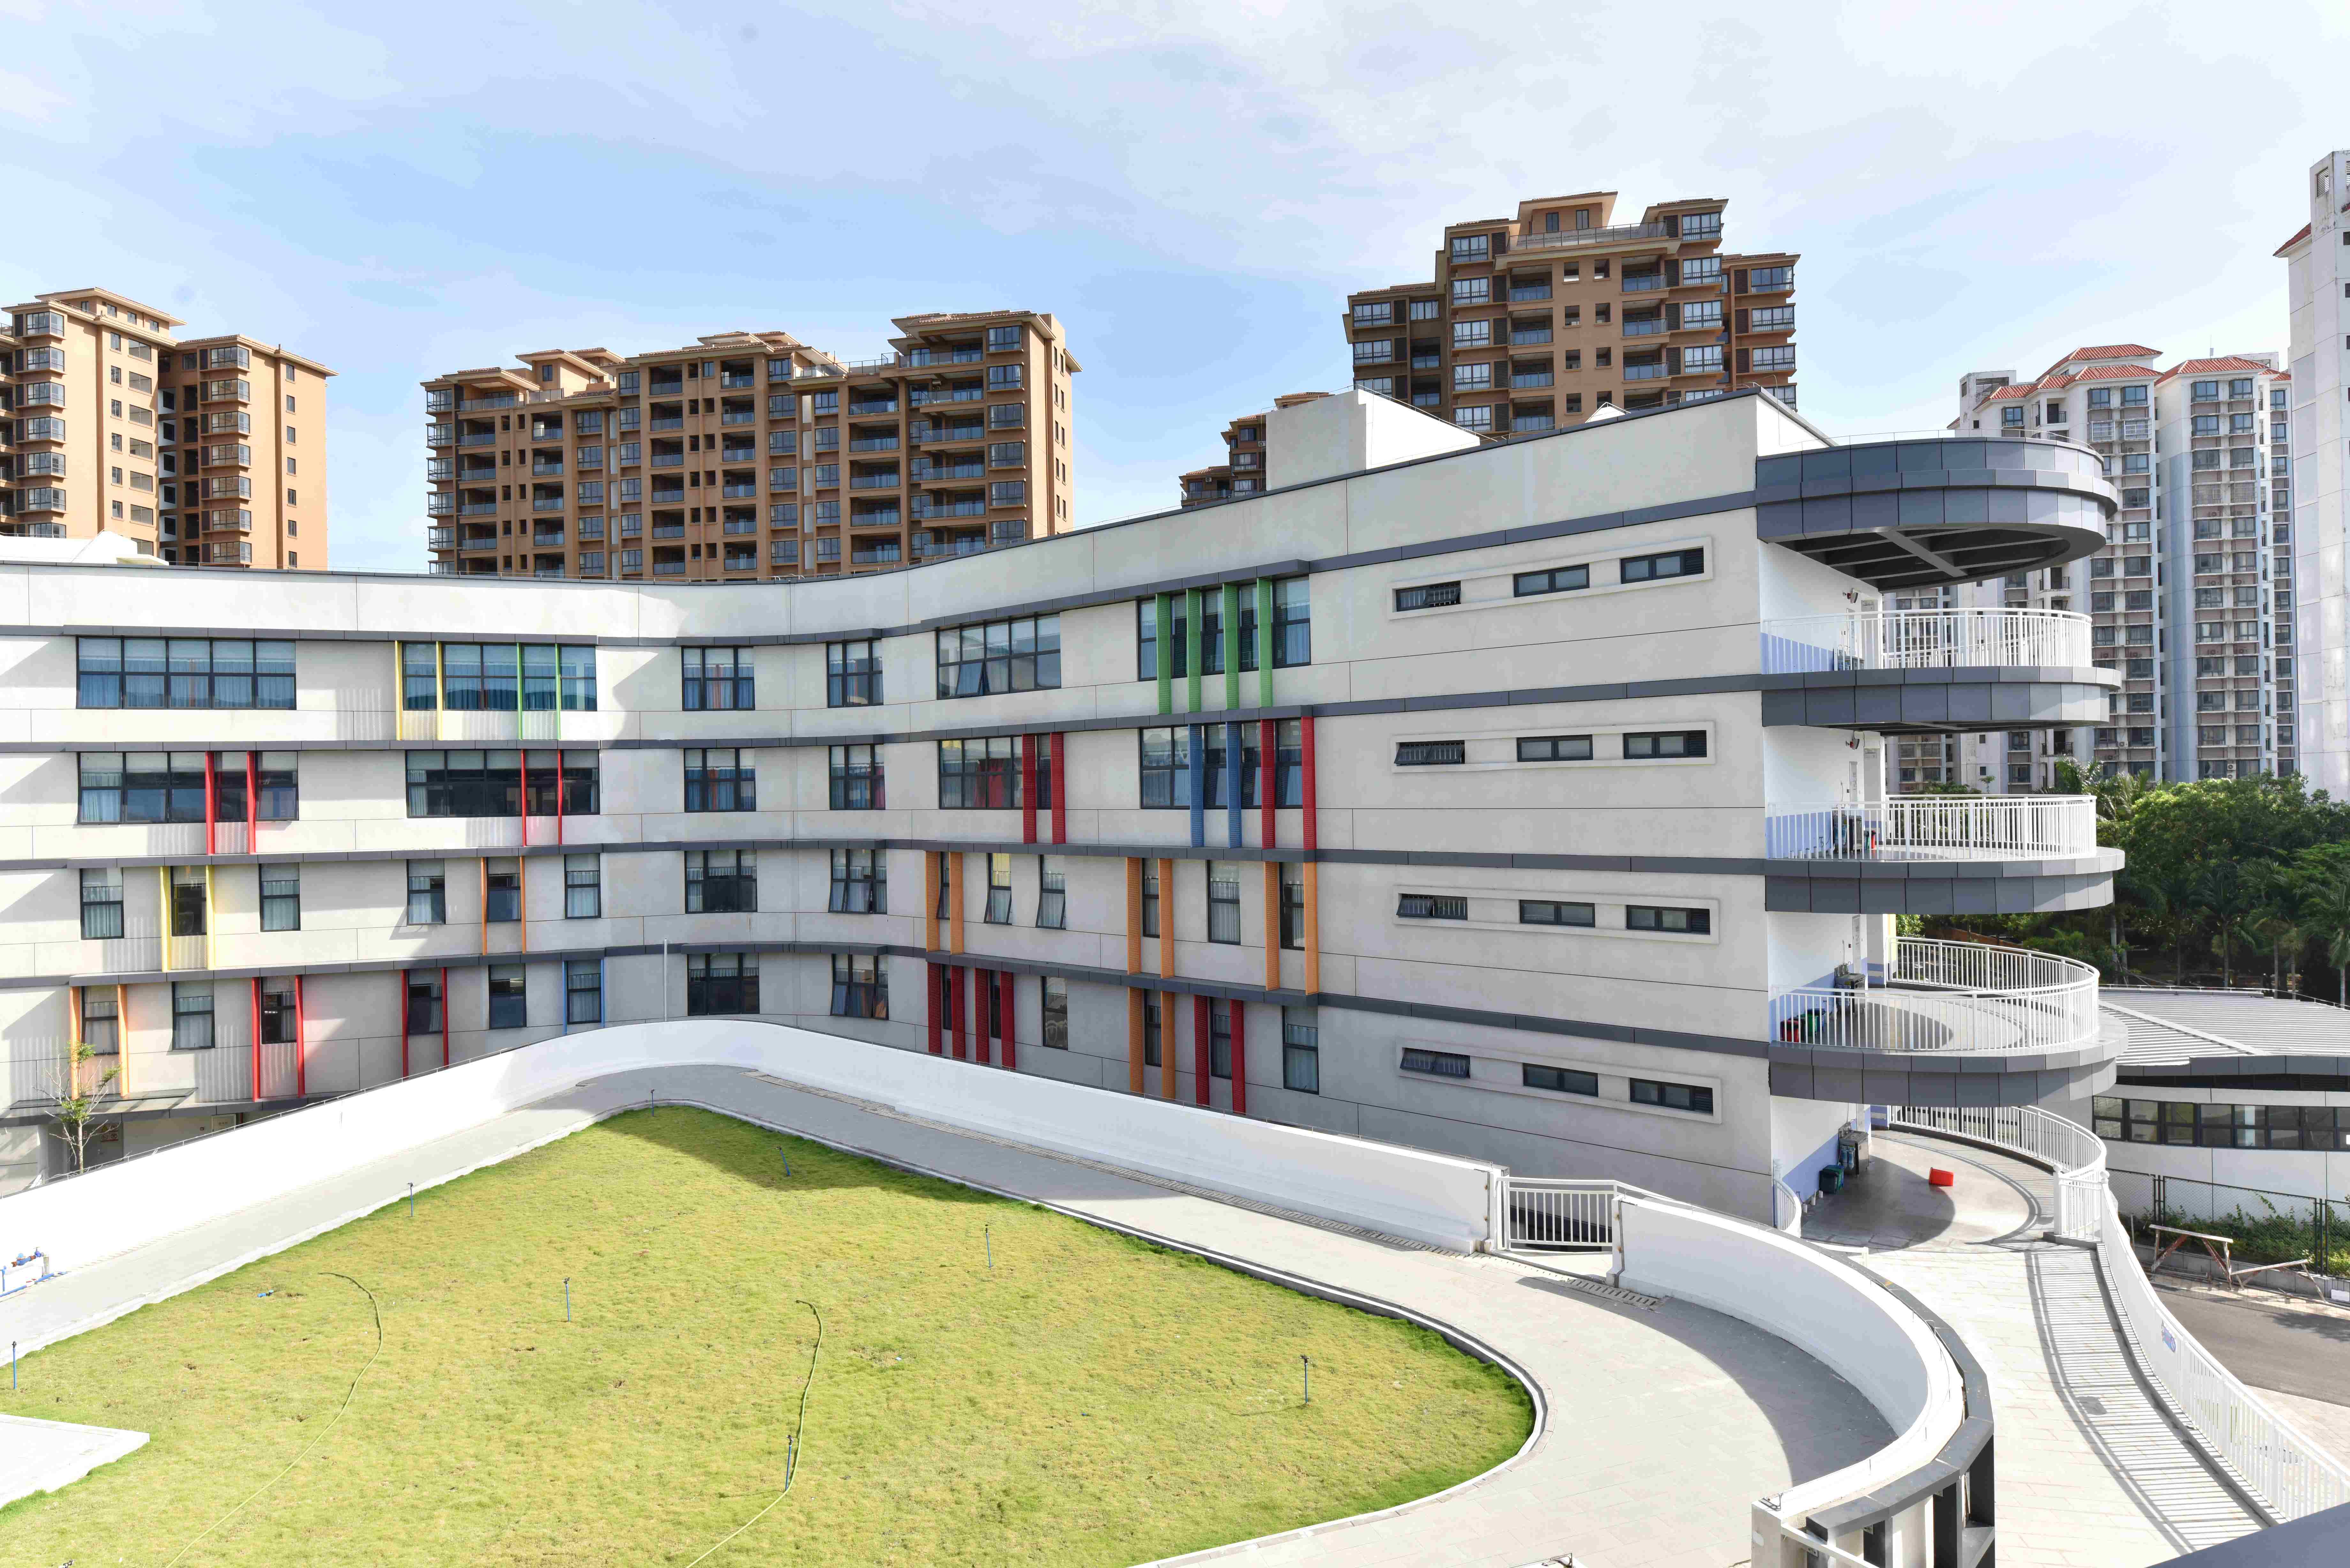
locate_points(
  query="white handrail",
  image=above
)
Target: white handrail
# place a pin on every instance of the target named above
(2294, 1476)
(1949, 996)
(1936, 827)
(1925, 640)
(1786, 1208)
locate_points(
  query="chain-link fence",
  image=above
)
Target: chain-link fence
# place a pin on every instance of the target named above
(2266, 1227)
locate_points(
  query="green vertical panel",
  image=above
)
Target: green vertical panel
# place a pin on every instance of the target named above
(1265, 641)
(1232, 645)
(1192, 616)
(1166, 653)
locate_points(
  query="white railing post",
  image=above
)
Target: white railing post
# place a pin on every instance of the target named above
(1925, 640)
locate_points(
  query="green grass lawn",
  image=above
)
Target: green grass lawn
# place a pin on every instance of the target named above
(1087, 1400)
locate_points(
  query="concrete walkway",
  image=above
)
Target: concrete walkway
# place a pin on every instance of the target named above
(1662, 1425)
(2092, 1469)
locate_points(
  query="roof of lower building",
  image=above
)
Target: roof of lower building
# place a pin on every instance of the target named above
(2168, 1027)
(2110, 351)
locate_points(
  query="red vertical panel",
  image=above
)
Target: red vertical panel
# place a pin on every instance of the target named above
(1267, 823)
(1305, 741)
(256, 1037)
(444, 1017)
(937, 1007)
(1203, 1048)
(1028, 789)
(252, 806)
(1240, 1058)
(212, 804)
(954, 1006)
(1061, 788)
(302, 1038)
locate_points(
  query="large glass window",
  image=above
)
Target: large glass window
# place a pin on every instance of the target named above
(583, 991)
(722, 881)
(190, 907)
(718, 983)
(1166, 767)
(281, 897)
(192, 1015)
(426, 1014)
(1219, 757)
(102, 904)
(999, 891)
(1301, 1051)
(497, 677)
(509, 997)
(1052, 892)
(184, 672)
(1224, 901)
(860, 985)
(464, 783)
(1000, 655)
(982, 774)
(716, 678)
(717, 778)
(852, 674)
(860, 882)
(142, 786)
(1293, 906)
(1052, 993)
(428, 893)
(857, 780)
(101, 1021)
(1673, 1096)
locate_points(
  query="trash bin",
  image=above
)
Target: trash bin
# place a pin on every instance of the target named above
(1832, 1179)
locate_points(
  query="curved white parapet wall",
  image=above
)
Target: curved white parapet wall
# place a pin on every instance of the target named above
(1428, 1197)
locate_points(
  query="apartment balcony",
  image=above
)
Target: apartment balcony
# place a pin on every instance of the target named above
(874, 444)
(1573, 239)
(1960, 998)
(439, 435)
(875, 481)
(1643, 282)
(440, 468)
(440, 505)
(547, 539)
(478, 509)
(929, 472)
(441, 538)
(736, 380)
(546, 503)
(479, 438)
(1937, 828)
(1635, 327)
(545, 468)
(739, 491)
(1926, 640)
(872, 407)
(1637, 372)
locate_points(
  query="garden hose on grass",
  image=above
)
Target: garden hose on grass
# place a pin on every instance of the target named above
(792, 1449)
(313, 1442)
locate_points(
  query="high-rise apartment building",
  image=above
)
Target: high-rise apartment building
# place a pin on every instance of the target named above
(749, 454)
(1246, 468)
(2317, 269)
(2192, 598)
(206, 450)
(1533, 322)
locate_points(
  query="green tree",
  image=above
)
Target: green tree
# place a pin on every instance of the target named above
(76, 1114)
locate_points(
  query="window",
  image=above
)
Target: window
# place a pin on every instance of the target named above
(192, 1015)
(497, 677)
(1053, 997)
(184, 672)
(501, 891)
(722, 881)
(281, 897)
(1152, 1029)
(428, 893)
(1289, 763)
(998, 910)
(102, 904)
(993, 657)
(1673, 1096)
(1213, 774)
(1292, 624)
(860, 985)
(1656, 918)
(464, 783)
(1552, 912)
(718, 779)
(718, 678)
(583, 991)
(1435, 1063)
(1220, 1039)
(1145, 623)
(1553, 747)
(1665, 744)
(1671, 564)
(1301, 1051)
(1150, 903)
(1293, 906)
(856, 779)
(1431, 907)
(1556, 580)
(1431, 754)
(583, 888)
(852, 674)
(720, 983)
(1427, 595)
(509, 1000)
(860, 882)
(1558, 1080)
(980, 775)
(1052, 892)
(1223, 902)
(1166, 768)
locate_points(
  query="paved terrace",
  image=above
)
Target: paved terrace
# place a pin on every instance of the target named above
(1662, 1425)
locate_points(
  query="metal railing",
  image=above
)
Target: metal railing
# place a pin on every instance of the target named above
(2291, 1475)
(1964, 997)
(1936, 827)
(1566, 239)
(1925, 640)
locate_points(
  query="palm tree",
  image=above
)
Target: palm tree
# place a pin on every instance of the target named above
(2326, 918)
(2237, 927)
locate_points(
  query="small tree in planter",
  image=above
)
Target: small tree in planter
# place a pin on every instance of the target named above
(77, 1113)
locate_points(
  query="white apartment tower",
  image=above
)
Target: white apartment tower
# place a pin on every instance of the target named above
(2190, 601)
(2317, 269)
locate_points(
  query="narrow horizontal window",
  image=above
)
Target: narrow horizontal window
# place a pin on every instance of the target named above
(1553, 747)
(1671, 564)
(1672, 1096)
(1436, 1063)
(1558, 1080)
(1665, 744)
(1553, 912)
(1657, 917)
(1431, 754)
(1431, 907)
(1557, 580)
(1427, 595)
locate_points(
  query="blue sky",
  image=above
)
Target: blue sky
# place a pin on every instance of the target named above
(1192, 189)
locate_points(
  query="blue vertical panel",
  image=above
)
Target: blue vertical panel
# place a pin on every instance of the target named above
(1199, 766)
(1234, 834)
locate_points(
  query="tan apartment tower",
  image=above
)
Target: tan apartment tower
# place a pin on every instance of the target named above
(1535, 322)
(205, 451)
(748, 454)
(1246, 468)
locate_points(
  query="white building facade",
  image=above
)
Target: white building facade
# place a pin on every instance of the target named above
(2318, 272)
(1526, 801)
